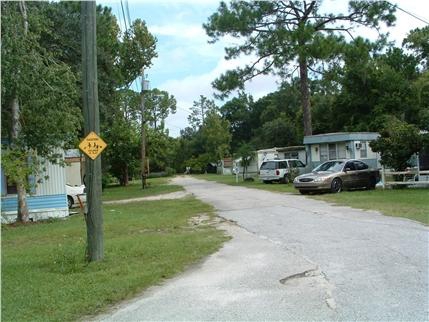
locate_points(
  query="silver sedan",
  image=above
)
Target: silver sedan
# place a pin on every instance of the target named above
(336, 175)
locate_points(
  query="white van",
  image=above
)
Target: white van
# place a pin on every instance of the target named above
(282, 171)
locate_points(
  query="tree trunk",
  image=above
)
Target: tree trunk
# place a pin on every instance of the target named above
(126, 177)
(23, 214)
(22, 210)
(305, 96)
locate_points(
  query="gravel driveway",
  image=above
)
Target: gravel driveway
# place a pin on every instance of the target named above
(295, 258)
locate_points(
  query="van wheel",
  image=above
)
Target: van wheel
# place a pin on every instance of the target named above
(285, 179)
(336, 185)
(69, 201)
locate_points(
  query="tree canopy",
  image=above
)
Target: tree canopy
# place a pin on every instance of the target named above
(279, 33)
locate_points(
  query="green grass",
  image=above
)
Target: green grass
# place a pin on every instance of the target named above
(257, 184)
(45, 277)
(134, 190)
(407, 203)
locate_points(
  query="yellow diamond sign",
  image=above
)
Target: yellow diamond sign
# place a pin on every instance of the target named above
(92, 145)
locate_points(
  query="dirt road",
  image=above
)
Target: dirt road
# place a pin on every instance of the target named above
(294, 258)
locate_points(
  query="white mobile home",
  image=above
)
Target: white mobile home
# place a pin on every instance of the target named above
(341, 145)
(47, 199)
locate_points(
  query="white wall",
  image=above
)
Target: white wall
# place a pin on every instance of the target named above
(266, 155)
(56, 182)
(73, 174)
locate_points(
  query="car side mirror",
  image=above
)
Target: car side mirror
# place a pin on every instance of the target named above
(347, 169)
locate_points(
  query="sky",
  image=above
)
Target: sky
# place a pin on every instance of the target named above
(187, 64)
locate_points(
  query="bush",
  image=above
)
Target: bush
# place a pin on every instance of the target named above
(397, 143)
(170, 171)
(106, 180)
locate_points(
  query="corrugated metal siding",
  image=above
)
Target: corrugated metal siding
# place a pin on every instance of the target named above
(3, 183)
(55, 184)
(35, 202)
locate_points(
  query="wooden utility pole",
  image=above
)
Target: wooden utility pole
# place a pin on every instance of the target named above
(143, 132)
(94, 216)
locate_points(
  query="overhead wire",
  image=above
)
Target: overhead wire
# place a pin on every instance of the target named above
(126, 17)
(413, 15)
(408, 12)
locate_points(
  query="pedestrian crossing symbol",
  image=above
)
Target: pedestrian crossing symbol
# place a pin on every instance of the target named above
(92, 145)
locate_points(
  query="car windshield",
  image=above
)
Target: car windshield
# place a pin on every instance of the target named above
(331, 166)
(270, 165)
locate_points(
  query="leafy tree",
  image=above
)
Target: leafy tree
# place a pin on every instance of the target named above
(159, 104)
(137, 49)
(63, 17)
(281, 131)
(373, 85)
(421, 88)
(418, 41)
(247, 154)
(121, 159)
(199, 111)
(280, 32)
(237, 112)
(398, 141)
(38, 97)
(216, 136)
(161, 149)
(198, 146)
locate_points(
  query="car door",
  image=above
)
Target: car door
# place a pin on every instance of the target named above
(362, 173)
(349, 175)
(300, 166)
(282, 166)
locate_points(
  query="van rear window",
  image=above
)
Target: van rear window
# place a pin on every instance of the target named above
(269, 165)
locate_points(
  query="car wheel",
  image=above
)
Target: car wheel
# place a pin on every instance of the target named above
(285, 179)
(372, 183)
(336, 185)
(69, 201)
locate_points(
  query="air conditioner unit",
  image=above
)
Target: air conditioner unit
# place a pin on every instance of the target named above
(358, 144)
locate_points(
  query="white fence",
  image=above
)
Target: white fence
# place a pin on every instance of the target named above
(413, 177)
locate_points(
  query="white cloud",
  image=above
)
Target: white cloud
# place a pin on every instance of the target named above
(178, 30)
(188, 90)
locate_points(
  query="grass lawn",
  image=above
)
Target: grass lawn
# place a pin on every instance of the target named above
(407, 203)
(257, 184)
(45, 277)
(156, 186)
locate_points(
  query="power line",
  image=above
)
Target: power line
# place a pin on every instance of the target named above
(408, 13)
(128, 13)
(123, 14)
(413, 15)
(125, 19)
